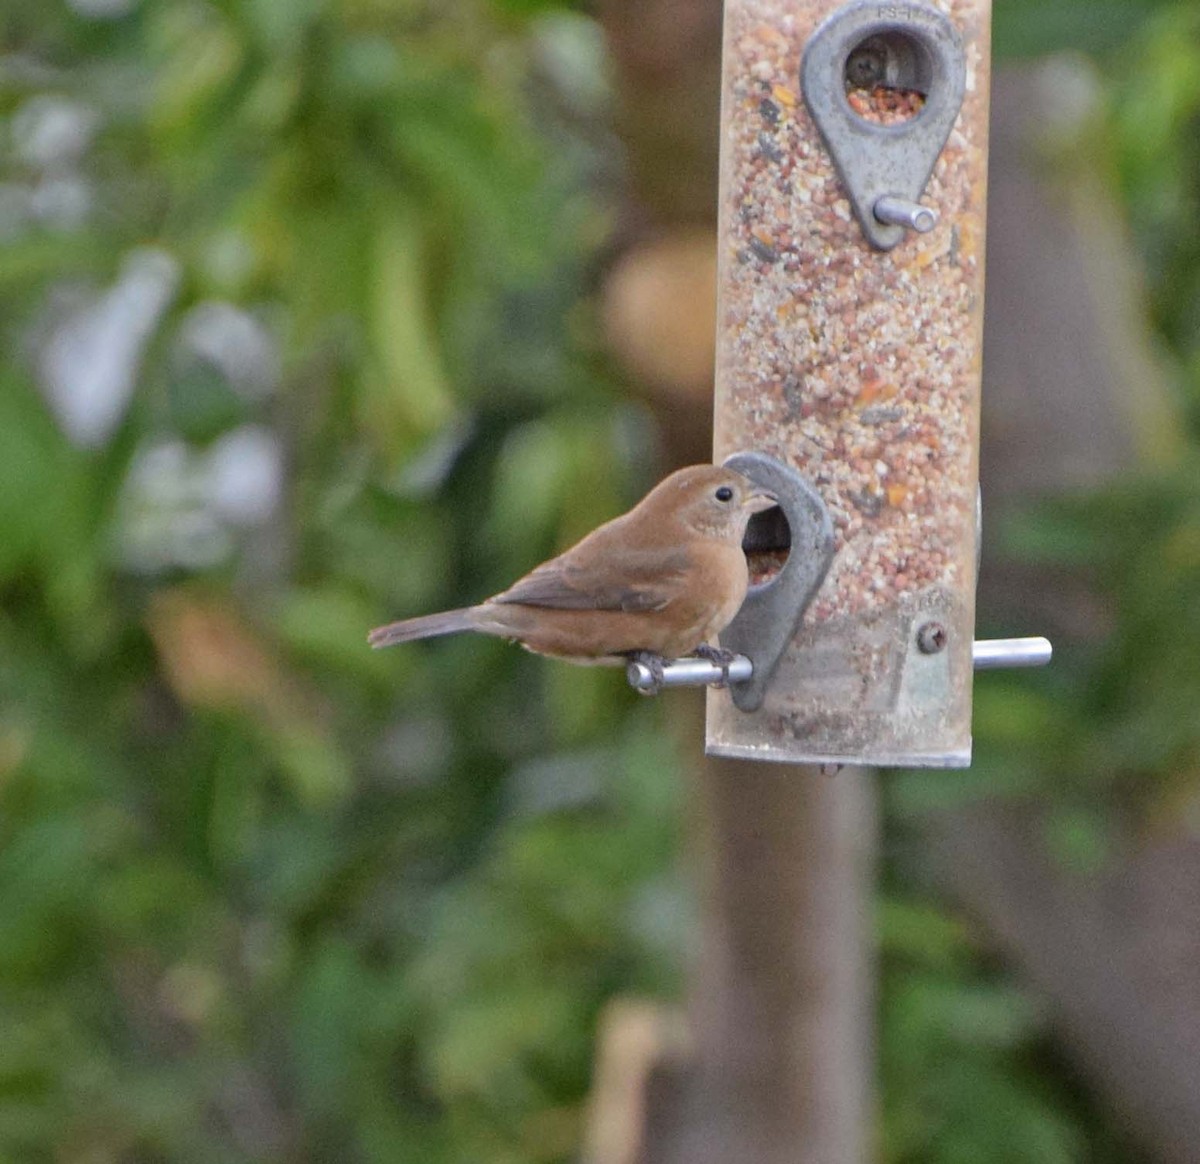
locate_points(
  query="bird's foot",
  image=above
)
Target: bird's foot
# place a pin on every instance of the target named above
(652, 663)
(720, 658)
(717, 655)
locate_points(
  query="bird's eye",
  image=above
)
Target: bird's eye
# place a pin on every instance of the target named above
(724, 493)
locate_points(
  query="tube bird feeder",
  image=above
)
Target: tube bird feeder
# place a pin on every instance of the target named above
(849, 338)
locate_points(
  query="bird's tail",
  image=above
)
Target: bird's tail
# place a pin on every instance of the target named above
(448, 622)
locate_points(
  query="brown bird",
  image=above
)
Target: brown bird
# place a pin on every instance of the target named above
(661, 580)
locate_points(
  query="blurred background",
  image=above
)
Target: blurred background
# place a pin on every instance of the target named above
(318, 313)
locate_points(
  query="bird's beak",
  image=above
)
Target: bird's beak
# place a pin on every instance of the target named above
(759, 500)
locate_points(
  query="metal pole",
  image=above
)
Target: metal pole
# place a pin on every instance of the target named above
(782, 1000)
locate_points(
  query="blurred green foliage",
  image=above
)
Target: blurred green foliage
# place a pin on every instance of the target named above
(267, 895)
(1156, 130)
(1116, 725)
(1107, 741)
(959, 1055)
(1024, 28)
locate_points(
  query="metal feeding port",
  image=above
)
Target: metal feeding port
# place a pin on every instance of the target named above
(855, 58)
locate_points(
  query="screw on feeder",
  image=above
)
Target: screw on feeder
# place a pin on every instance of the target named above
(904, 212)
(931, 638)
(866, 66)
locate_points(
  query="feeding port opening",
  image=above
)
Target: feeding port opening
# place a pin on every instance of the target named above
(888, 76)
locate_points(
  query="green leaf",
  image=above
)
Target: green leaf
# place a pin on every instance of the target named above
(410, 397)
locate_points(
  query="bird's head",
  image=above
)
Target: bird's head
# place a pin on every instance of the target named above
(712, 501)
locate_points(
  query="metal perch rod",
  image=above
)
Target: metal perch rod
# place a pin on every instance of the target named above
(987, 655)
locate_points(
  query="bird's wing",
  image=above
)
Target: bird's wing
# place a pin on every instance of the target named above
(630, 581)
